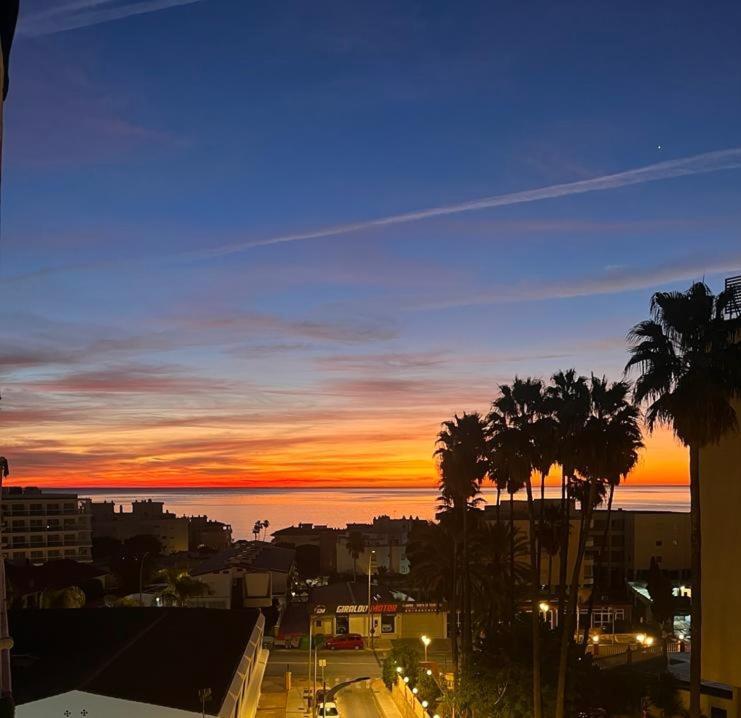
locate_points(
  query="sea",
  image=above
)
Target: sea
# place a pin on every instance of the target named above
(282, 507)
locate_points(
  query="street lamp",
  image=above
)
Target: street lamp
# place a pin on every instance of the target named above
(641, 638)
(544, 607)
(399, 669)
(406, 679)
(426, 640)
(429, 671)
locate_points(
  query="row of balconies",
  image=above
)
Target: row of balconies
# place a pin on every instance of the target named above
(20, 511)
(79, 526)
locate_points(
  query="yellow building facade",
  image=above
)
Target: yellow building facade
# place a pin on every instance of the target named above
(720, 482)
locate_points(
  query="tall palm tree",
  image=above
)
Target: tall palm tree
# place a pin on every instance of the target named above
(432, 558)
(608, 444)
(550, 532)
(569, 398)
(355, 547)
(513, 444)
(624, 440)
(462, 457)
(689, 360)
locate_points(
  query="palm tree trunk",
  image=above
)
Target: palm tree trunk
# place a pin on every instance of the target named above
(534, 600)
(540, 522)
(696, 561)
(453, 613)
(354, 569)
(511, 558)
(567, 634)
(597, 568)
(466, 628)
(550, 571)
(564, 548)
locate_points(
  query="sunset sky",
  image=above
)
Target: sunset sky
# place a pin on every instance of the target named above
(195, 287)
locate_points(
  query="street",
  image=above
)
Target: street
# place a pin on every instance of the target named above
(341, 665)
(356, 701)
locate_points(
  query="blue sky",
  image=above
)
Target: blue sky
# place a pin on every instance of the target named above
(144, 138)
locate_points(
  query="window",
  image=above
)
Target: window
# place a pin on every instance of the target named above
(716, 712)
(388, 623)
(659, 543)
(341, 625)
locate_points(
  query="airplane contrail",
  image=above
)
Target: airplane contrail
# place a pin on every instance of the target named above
(697, 164)
(84, 13)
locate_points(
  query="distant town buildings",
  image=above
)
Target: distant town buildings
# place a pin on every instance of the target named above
(327, 547)
(145, 518)
(175, 533)
(250, 574)
(40, 526)
(207, 533)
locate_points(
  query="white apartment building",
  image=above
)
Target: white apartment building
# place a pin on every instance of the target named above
(40, 526)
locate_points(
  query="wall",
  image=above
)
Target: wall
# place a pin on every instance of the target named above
(671, 531)
(720, 472)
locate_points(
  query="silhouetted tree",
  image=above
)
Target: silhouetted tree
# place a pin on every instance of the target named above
(355, 547)
(689, 358)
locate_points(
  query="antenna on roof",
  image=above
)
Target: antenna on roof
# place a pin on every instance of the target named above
(733, 287)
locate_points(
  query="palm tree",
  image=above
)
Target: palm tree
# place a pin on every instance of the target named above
(432, 559)
(256, 529)
(512, 419)
(689, 360)
(462, 457)
(355, 547)
(569, 404)
(265, 527)
(624, 440)
(550, 537)
(607, 446)
(180, 586)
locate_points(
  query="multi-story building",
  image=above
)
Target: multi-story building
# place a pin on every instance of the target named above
(204, 532)
(145, 518)
(40, 526)
(720, 499)
(550, 564)
(634, 539)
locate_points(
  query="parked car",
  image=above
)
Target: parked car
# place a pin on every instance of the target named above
(327, 710)
(349, 640)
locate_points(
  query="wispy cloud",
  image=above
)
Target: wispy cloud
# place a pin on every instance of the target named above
(84, 13)
(685, 166)
(623, 278)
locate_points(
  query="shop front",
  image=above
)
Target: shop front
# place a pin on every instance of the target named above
(384, 620)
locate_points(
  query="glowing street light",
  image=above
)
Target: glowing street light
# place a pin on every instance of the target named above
(641, 638)
(406, 679)
(426, 640)
(425, 704)
(415, 690)
(429, 671)
(544, 607)
(399, 669)
(595, 638)
(649, 640)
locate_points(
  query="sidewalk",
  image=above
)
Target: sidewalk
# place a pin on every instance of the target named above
(384, 701)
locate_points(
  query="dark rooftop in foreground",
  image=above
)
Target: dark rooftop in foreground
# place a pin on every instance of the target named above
(158, 656)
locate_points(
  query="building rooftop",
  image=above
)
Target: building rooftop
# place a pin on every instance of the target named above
(60, 573)
(157, 656)
(251, 556)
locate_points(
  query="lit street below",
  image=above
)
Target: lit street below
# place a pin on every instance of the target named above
(356, 701)
(341, 665)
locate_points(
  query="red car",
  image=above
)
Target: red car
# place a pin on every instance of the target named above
(349, 640)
